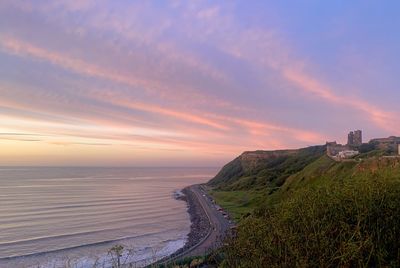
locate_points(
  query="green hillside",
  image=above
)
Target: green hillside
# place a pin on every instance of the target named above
(249, 180)
(301, 208)
(260, 169)
(265, 177)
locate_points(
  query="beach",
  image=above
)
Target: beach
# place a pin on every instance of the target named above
(200, 223)
(208, 225)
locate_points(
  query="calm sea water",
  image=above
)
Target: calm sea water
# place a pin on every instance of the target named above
(57, 217)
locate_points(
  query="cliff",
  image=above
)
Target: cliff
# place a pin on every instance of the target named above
(258, 169)
(283, 198)
(263, 178)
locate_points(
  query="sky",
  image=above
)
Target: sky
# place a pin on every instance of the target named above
(191, 83)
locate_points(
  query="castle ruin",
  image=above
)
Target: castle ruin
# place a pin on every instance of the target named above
(339, 151)
(389, 146)
(354, 138)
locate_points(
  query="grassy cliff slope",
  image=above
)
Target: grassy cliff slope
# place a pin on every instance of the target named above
(260, 169)
(266, 177)
(299, 208)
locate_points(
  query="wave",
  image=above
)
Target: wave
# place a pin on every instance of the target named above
(141, 257)
(103, 242)
(138, 207)
(147, 222)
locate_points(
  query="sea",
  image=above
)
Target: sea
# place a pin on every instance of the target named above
(85, 217)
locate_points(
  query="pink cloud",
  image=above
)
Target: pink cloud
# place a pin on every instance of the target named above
(259, 130)
(384, 119)
(280, 58)
(219, 122)
(152, 85)
(185, 116)
(21, 48)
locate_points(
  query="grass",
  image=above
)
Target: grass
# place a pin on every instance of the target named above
(350, 223)
(209, 260)
(264, 169)
(318, 173)
(188, 262)
(238, 203)
(328, 214)
(324, 214)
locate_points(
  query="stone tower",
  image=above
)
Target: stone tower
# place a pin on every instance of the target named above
(357, 137)
(354, 138)
(350, 138)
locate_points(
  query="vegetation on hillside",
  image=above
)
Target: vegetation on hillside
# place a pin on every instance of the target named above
(324, 214)
(251, 179)
(351, 223)
(260, 169)
(238, 203)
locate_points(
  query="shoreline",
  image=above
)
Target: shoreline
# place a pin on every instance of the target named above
(200, 224)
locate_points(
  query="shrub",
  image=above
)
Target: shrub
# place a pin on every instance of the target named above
(351, 223)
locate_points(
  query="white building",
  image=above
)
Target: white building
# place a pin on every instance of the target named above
(347, 154)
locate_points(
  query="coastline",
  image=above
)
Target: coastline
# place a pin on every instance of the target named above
(200, 224)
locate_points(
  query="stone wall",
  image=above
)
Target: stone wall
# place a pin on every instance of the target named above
(333, 149)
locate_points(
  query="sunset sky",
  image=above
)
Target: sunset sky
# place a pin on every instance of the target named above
(192, 83)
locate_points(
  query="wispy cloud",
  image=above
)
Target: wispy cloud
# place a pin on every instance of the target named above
(292, 69)
(178, 81)
(381, 118)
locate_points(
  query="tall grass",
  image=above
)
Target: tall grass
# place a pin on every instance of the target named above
(351, 223)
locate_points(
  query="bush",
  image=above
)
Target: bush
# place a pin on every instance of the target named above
(351, 223)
